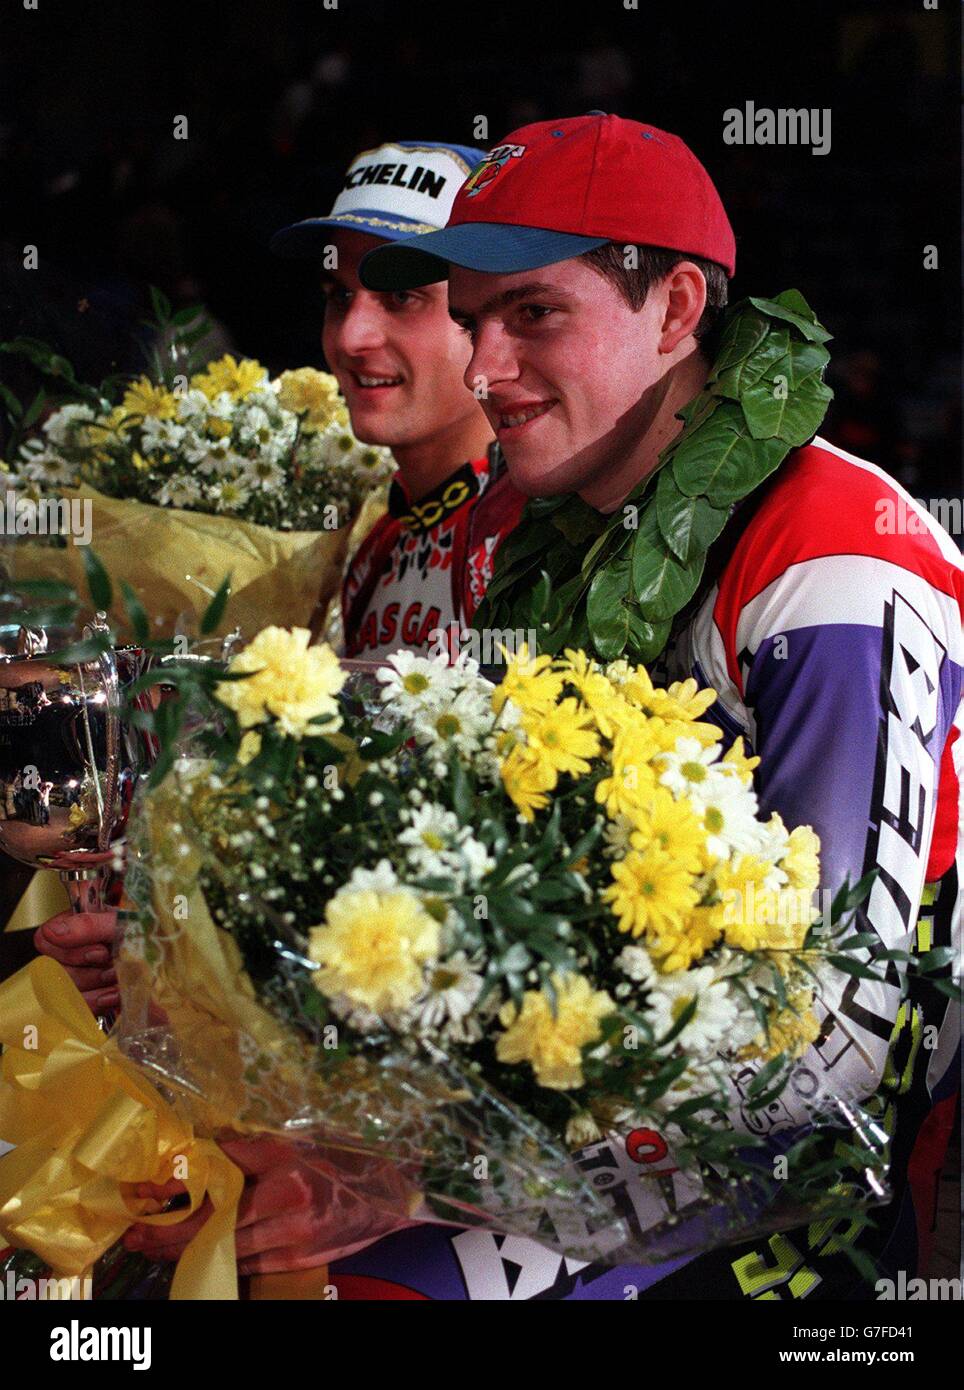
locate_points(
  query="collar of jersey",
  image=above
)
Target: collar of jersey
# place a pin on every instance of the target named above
(428, 511)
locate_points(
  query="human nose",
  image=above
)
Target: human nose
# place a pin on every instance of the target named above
(493, 359)
(361, 328)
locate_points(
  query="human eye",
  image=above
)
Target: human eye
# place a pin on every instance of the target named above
(335, 294)
(401, 299)
(464, 325)
(535, 313)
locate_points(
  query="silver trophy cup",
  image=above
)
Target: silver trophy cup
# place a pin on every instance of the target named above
(68, 762)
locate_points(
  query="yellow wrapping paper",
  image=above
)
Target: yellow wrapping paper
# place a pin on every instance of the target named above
(88, 1125)
(283, 577)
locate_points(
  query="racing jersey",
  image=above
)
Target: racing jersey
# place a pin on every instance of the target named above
(404, 586)
(833, 636)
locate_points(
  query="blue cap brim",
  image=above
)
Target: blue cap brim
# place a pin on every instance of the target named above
(309, 237)
(495, 247)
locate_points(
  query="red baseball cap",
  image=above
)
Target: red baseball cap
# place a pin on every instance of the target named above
(555, 189)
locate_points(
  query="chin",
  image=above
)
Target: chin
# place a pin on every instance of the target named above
(537, 477)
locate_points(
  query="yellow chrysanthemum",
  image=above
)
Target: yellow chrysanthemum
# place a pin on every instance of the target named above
(595, 688)
(737, 758)
(143, 398)
(671, 826)
(526, 782)
(652, 893)
(372, 946)
(238, 378)
(561, 739)
(313, 395)
(217, 428)
(682, 700)
(750, 909)
(553, 1042)
(791, 1030)
(293, 683)
(801, 862)
(679, 948)
(249, 747)
(529, 682)
(630, 787)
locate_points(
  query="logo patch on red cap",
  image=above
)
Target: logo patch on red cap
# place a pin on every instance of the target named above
(496, 160)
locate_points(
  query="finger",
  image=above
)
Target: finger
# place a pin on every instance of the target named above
(166, 1242)
(281, 1190)
(73, 955)
(282, 1260)
(101, 1001)
(161, 1191)
(72, 929)
(93, 981)
(296, 1229)
(258, 1155)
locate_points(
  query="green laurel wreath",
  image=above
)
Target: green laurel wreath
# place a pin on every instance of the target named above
(613, 585)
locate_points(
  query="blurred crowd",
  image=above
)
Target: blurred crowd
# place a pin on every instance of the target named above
(278, 98)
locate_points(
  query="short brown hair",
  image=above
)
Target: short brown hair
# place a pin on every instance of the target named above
(654, 263)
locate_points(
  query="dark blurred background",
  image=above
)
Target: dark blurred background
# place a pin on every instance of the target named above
(280, 95)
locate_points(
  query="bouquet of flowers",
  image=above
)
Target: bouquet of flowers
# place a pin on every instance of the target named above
(192, 477)
(441, 934)
(522, 956)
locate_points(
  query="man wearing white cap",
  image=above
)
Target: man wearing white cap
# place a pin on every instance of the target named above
(400, 361)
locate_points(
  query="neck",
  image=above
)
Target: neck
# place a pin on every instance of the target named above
(676, 388)
(426, 463)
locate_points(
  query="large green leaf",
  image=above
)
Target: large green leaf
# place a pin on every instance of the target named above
(661, 584)
(578, 522)
(717, 449)
(742, 334)
(687, 524)
(793, 416)
(809, 327)
(646, 639)
(734, 381)
(607, 613)
(729, 471)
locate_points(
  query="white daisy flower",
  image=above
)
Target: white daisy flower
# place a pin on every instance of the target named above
(637, 963)
(459, 723)
(687, 767)
(715, 1013)
(262, 474)
(49, 470)
(60, 427)
(192, 406)
(452, 987)
(414, 682)
(160, 435)
(729, 811)
(381, 879)
(431, 830)
(476, 859)
(180, 490)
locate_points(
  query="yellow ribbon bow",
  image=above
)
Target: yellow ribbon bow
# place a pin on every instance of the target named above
(88, 1126)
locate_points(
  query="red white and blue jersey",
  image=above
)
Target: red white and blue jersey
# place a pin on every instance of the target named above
(833, 636)
(404, 586)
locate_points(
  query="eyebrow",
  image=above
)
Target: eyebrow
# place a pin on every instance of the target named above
(507, 297)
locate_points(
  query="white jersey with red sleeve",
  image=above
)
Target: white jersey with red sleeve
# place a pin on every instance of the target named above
(834, 639)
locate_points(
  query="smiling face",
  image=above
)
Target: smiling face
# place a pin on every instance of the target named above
(397, 355)
(575, 378)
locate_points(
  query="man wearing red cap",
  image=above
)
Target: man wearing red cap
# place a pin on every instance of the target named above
(587, 260)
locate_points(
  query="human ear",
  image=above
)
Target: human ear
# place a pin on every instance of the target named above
(684, 291)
